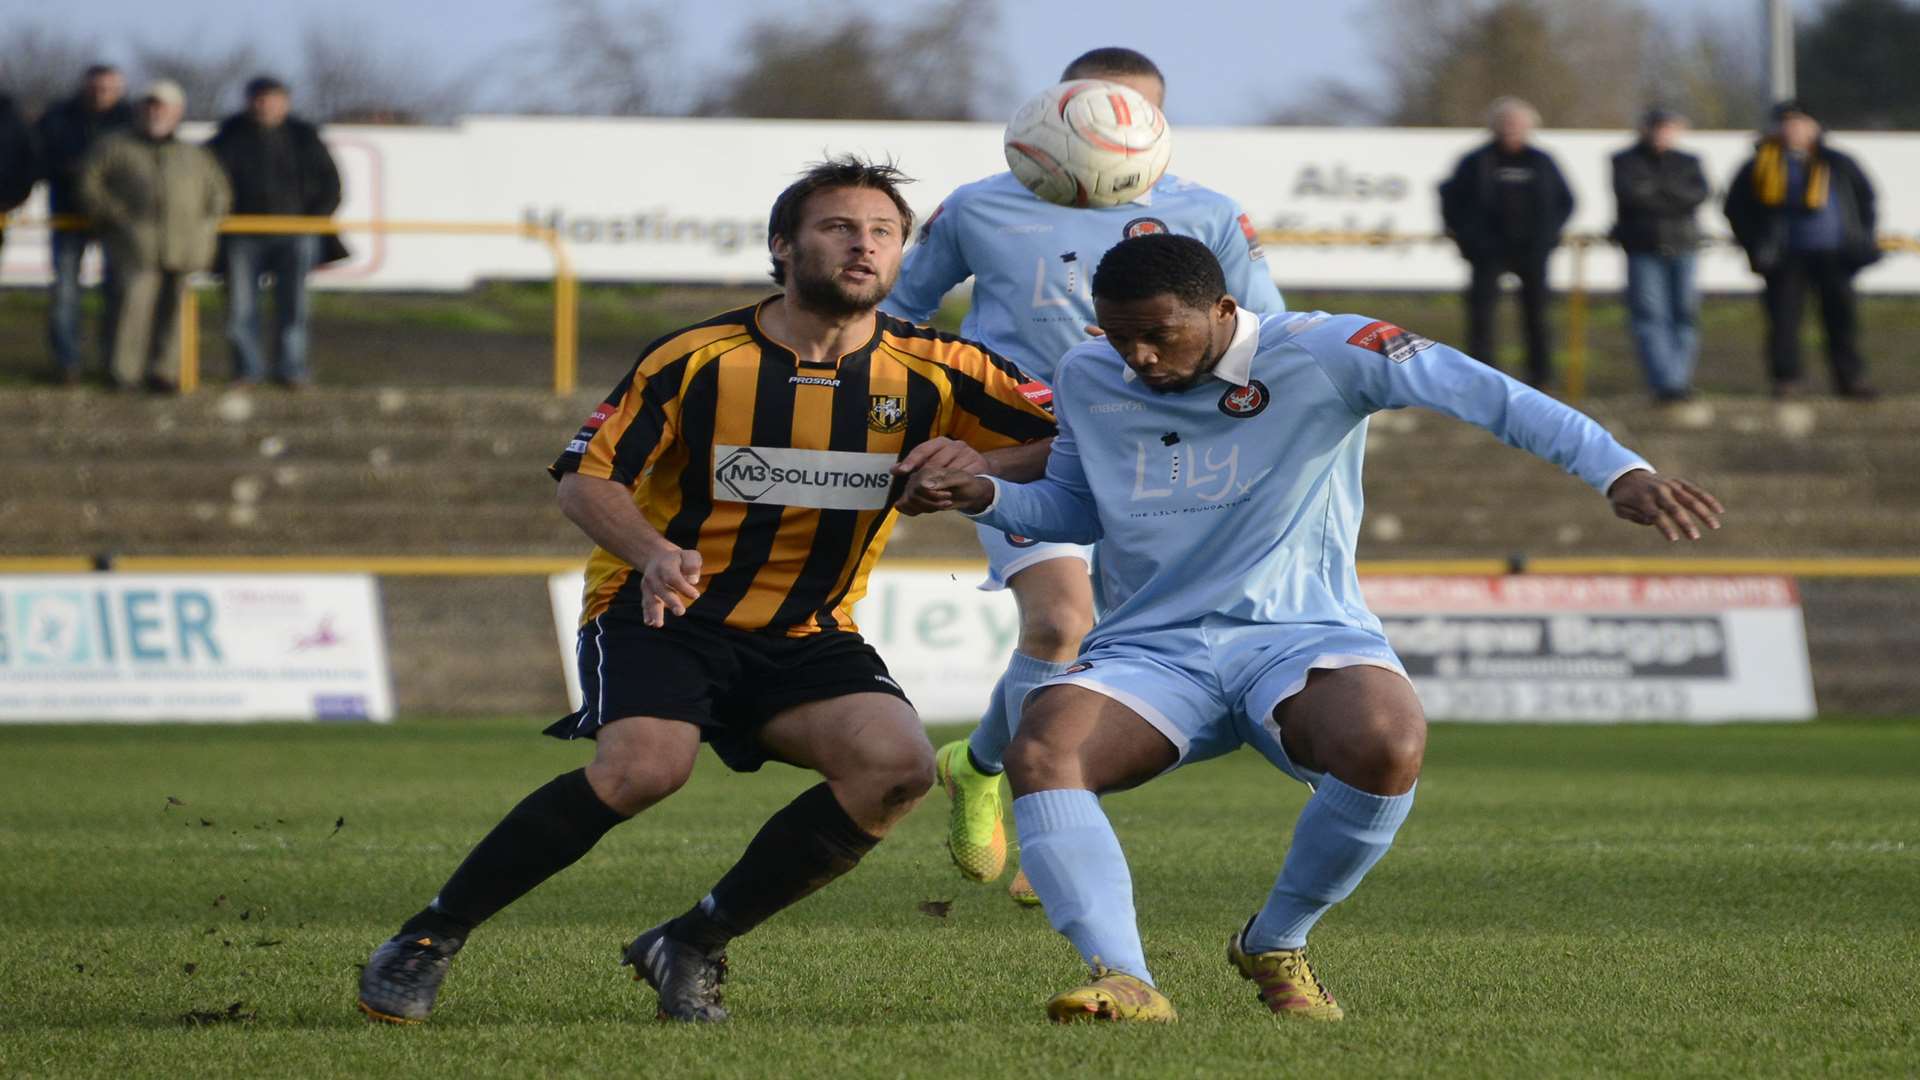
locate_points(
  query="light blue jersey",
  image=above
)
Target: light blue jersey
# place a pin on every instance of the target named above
(1240, 497)
(1032, 261)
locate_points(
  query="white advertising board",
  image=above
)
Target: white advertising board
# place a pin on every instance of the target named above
(686, 200)
(1599, 649)
(212, 647)
(945, 641)
(1524, 648)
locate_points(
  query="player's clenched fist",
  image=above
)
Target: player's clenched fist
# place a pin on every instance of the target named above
(945, 489)
(1674, 506)
(667, 583)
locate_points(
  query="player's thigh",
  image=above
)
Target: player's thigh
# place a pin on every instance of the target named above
(1356, 722)
(1056, 592)
(639, 760)
(1076, 737)
(852, 736)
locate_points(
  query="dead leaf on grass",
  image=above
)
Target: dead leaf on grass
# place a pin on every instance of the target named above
(236, 1013)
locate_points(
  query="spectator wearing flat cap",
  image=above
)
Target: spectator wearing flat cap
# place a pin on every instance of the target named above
(1505, 207)
(1658, 188)
(277, 165)
(1805, 214)
(157, 203)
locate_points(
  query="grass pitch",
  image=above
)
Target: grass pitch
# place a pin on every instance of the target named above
(193, 901)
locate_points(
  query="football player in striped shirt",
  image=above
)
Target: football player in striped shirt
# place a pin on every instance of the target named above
(739, 483)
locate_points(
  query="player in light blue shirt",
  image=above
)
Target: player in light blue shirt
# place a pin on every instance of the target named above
(1032, 267)
(1215, 456)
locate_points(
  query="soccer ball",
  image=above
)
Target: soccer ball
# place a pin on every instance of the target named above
(1088, 143)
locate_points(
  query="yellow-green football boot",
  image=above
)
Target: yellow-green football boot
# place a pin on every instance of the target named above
(1287, 983)
(1111, 996)
(976, 832)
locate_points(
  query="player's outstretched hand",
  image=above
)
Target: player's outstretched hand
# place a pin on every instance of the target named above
(932, 490)
(941, 453)
(1674, 506)
(667, 584)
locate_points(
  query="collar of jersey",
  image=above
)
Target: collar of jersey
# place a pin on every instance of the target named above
(771, 348)
(1236, 364)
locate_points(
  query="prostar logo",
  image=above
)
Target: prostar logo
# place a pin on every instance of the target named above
(746, 474)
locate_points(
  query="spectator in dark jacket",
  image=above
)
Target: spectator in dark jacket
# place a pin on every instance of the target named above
(278, 166)
(1805, 213)
(67, 133)
(1505, 207)
(19, 161)
(1658, 189)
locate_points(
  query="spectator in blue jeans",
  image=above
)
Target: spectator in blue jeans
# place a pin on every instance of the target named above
(1658, 189)
(67, 132)
(277, 165)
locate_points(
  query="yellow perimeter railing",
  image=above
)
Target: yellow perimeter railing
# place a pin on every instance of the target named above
(1575, 362)
(566, 307)
(540, 565)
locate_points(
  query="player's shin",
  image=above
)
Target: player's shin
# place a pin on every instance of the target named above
(802, 847)
(988, 743)
(547, 832)
(1341, 833)
(1071, 854)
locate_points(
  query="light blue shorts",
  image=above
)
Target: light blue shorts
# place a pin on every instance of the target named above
(1008, 555)
(1213, 688)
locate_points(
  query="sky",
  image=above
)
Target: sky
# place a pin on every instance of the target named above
(1227, 61)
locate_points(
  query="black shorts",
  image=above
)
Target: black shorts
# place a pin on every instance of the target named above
(727, 682)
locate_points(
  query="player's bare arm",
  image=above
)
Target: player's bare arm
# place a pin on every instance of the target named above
(1020, 464)
(936, 489)
(604, 510)
(1674, 506)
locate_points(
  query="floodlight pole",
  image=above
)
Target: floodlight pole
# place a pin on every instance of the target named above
(1778, 15)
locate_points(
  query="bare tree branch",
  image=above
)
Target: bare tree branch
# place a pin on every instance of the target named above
(41, 65)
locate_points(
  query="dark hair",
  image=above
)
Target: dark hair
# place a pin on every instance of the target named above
(1111, 60)
(94, 71)
(264, 84)
(846, 171)
(1158, 264)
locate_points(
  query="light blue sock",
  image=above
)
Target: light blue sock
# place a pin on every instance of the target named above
(1341, 833)
(1071, 855)
(992, 734)
(1002, 719)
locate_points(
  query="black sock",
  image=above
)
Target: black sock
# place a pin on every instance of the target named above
(549, 831)
(807, 844)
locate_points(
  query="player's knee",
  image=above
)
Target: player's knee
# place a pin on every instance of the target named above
(894, 774)
(1054, 630)
(1033, 764)
(629, 785)
(1382, 754)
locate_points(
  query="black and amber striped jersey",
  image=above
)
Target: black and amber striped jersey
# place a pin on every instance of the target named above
(777, 472)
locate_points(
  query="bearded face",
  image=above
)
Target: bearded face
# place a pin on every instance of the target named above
(845, 256)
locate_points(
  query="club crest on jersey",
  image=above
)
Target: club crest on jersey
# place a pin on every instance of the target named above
(1245, 402)
(1390, 341)
(1142, 226)
(887, 414)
